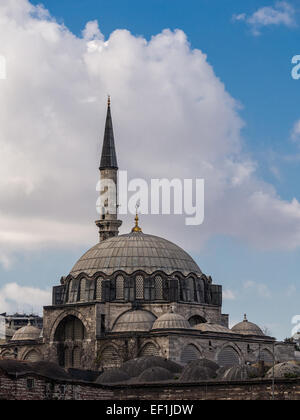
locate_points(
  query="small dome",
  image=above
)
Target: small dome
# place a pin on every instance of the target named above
(215, 328)
(111, 376)
(134, 321)
(135, 367)
(285, 370)
(170, 321)
(155, 374)
(198, 370)
(239, 373)
(247, 328)
(27, 333)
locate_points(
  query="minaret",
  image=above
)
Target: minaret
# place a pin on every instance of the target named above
(109, 224)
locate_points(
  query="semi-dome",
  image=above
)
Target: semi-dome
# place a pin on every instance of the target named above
(171, 321)
(135, 251)
(247, 328)
(27, 333)
(214, 328)
(132, 321)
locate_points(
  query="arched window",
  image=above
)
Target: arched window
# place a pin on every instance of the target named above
(200, 291)
(82, 290)
(110, 358)
(228, 357)
(149, 349)
(189, 353)
(69, 331)
(266, 356)
(149, 288)
(184, 293)
(99, 288)
(158, 287)
(196, 319)
(33, 356)
(73, 290)
(76, 358)
(190, 289)
(90, 290)
(120, 288)
(129, 289)
(139, 287)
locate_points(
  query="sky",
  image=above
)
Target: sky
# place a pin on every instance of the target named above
(198, 89)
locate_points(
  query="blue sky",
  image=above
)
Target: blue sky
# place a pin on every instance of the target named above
(256, 71)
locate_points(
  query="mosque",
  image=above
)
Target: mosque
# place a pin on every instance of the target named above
(138, 295)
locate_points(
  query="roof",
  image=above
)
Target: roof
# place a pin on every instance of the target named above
(215, 328)
(46, 369)
(108, 156)
(27, 333)
(247, 328)
(171, 321)
(133, 321)
(135, 251)
(155, 374)
(138, 365)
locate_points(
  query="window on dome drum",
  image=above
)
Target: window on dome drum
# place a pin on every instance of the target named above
(99, 288)
(228, 357)
(73, 290)
(82, 290)
(149, 288)
(200, 294)
(189, 353)
(190, 289)
(196, 319)
(139, 287)
(129, 289)
(158, 287)
(90, 290)
(120, 288)
(184, 292)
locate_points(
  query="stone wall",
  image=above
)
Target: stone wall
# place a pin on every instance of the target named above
(31, 387)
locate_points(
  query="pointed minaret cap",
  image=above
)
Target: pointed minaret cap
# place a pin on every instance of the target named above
(108, 156)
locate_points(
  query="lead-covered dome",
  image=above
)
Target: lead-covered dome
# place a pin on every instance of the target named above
(27, 333)
(170, 321)
(247, 328)
(131, 321)
(135, 251)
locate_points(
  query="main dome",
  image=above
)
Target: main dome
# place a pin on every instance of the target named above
(135, 251)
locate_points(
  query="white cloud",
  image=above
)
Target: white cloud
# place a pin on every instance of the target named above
(296, 131)
(15, 298)
(229, 295)
(172, 117)
(262, 290)
(282, 13)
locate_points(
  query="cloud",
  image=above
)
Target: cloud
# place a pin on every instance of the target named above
(229, 295)
(173, 118)
(296, 131)
(15, 298)
(282, 13)
(260, 289)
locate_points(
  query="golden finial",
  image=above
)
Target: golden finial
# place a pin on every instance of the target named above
(136, 228)
(108, 100)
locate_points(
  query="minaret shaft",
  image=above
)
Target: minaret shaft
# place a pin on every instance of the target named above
(108, 223)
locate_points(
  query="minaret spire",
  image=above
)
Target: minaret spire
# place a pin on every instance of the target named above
(109, 224)
(108, 156)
